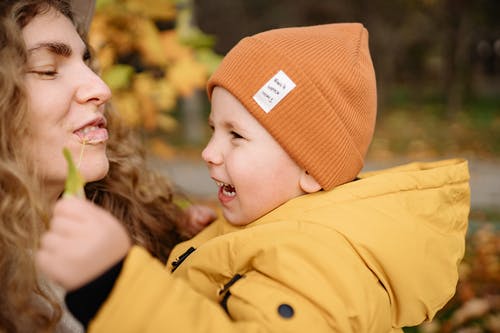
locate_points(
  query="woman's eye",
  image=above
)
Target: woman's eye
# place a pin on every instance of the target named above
(89, 61)
(44, 74)
(87, 57)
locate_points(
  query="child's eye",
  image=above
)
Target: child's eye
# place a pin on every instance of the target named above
(235, 135)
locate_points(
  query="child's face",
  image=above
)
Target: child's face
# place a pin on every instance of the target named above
(254, 174)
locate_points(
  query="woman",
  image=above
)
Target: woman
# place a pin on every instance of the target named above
(50, 98)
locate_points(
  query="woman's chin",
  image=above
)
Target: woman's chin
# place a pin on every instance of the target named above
(95, 172)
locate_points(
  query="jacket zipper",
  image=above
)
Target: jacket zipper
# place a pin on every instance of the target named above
(176, 263)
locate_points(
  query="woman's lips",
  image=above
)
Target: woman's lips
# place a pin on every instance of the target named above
(92, 134)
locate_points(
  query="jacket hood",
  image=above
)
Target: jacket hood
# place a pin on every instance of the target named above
(408, 225)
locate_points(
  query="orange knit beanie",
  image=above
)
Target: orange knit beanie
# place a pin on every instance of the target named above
(313, 89)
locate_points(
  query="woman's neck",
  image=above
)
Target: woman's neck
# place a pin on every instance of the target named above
(52, 193)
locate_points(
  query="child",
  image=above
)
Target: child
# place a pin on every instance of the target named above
(308, 244)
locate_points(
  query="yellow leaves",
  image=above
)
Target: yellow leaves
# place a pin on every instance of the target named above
(187, 75)
(112, 27)
(147, 39)
(164, 94)
(154, 9)
(173, 49)
(149, 70)
(154, 96)
(143, 84)
(147, 103)
(127, 105)
(190, 68)
(106, 56)
(128, 27)
(167, 124)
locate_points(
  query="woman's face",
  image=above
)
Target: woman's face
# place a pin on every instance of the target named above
(66, 102)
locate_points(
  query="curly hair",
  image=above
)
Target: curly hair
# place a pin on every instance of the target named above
(139, 197)
(136, 195)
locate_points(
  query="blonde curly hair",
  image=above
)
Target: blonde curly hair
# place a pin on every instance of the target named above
(140, 198)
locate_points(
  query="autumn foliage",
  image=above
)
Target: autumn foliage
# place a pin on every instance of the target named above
(150, 55)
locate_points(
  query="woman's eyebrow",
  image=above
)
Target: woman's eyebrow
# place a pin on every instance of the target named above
(57, 48)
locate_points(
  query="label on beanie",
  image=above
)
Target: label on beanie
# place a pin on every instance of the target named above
(274, 91)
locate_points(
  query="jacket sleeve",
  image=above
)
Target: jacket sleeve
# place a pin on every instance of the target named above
(147, 298)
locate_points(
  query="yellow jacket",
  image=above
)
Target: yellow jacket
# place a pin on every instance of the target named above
(372, 255)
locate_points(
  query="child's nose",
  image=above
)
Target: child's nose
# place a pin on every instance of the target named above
(211, 155)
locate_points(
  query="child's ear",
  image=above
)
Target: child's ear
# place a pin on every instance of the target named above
(308, 184)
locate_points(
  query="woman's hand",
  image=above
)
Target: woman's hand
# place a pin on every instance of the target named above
(198, 217)
(83, 241)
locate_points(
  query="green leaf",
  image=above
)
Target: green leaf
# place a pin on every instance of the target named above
(118, 76)
(209, 58)
(74, 181)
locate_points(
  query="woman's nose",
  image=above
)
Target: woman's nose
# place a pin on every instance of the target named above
(92, 89)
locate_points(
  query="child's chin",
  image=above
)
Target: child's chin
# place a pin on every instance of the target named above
(235, 220)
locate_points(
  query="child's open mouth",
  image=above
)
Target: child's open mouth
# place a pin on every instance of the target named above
(226, 191)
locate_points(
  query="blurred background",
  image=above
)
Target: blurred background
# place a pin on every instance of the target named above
(438, 71)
